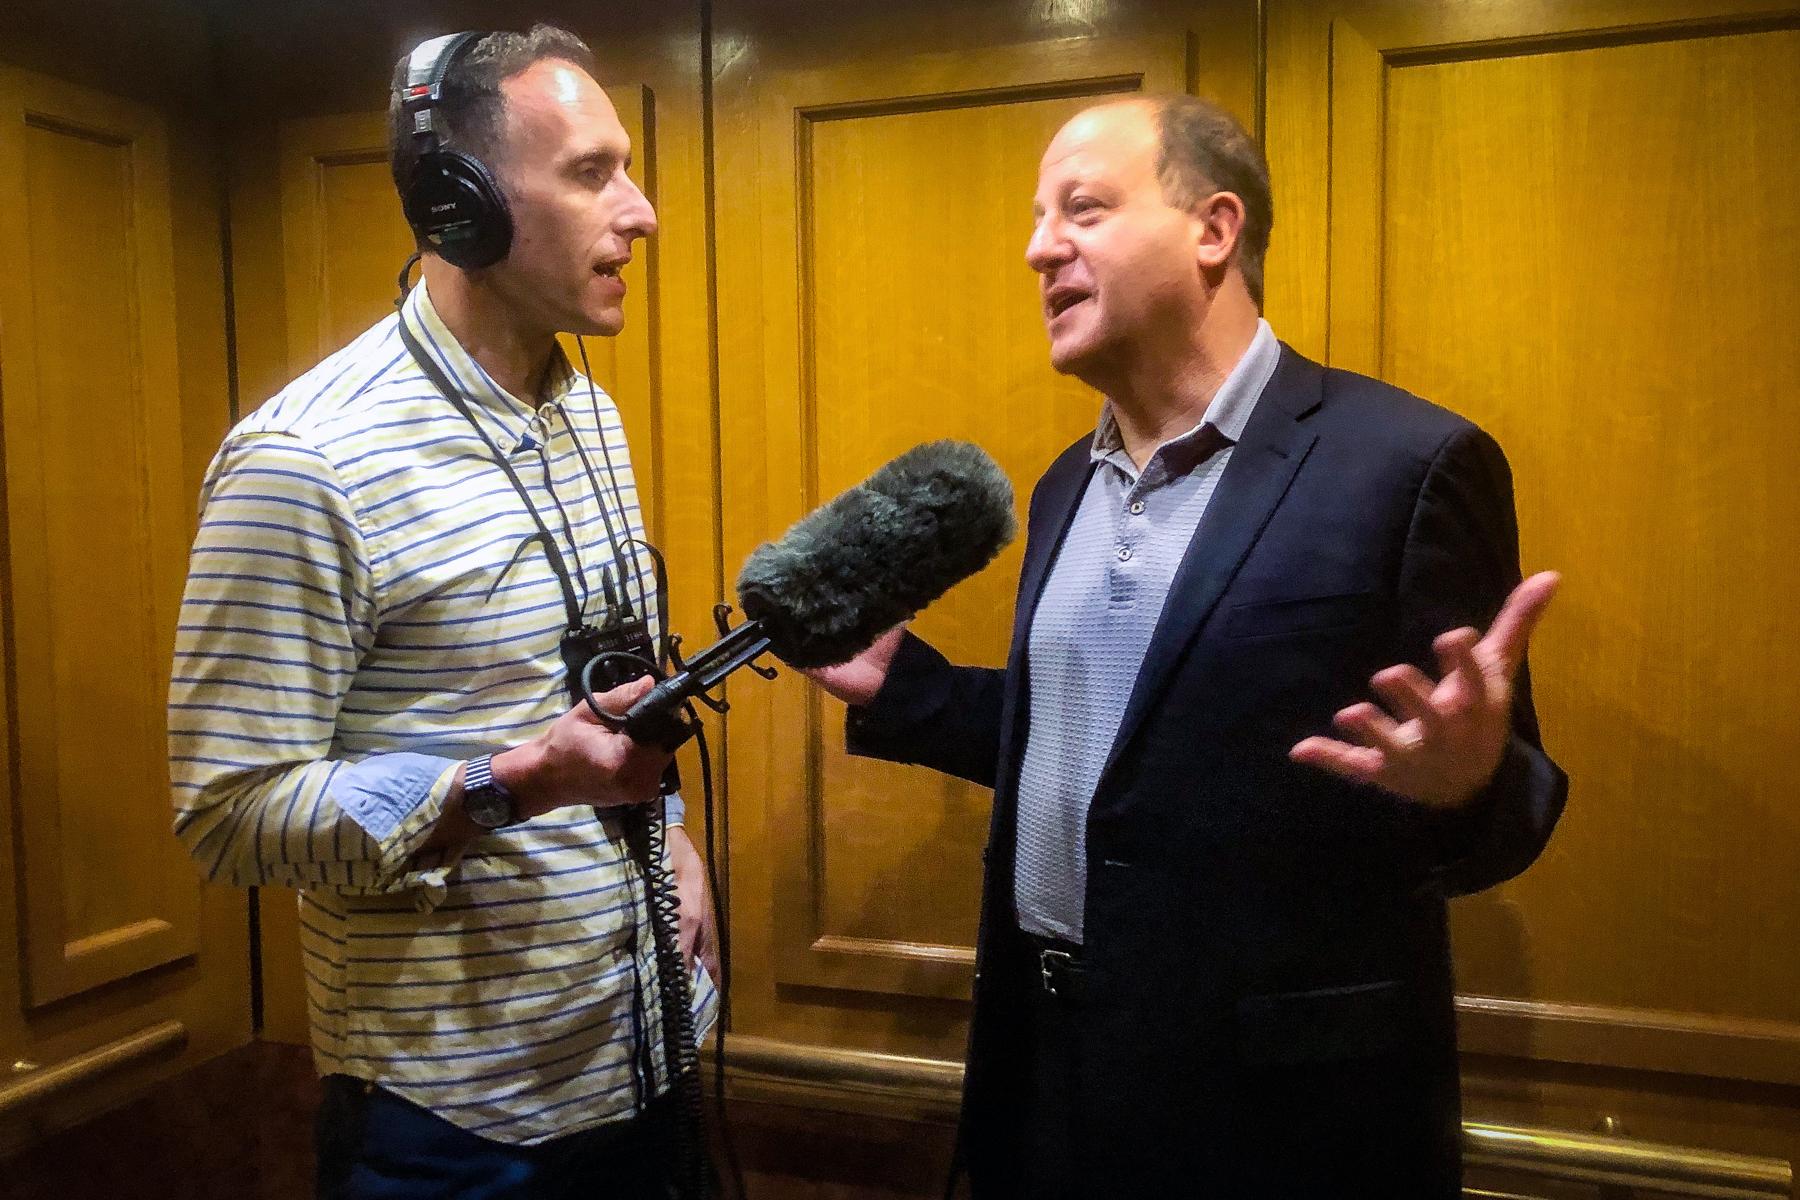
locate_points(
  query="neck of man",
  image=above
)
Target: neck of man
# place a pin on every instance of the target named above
(514, 355)
(1160, 388)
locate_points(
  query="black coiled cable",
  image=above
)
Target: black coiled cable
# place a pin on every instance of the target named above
(646, 837)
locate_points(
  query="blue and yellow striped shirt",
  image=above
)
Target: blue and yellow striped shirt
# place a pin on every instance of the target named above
(360, 618)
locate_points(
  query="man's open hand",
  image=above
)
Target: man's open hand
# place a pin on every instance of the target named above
(1439, 743)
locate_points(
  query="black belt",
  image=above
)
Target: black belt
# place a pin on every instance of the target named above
(1060, 969)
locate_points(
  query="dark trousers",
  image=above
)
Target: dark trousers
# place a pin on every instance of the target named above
(1049, 1128)
(1302, 1131)
(373, 1145)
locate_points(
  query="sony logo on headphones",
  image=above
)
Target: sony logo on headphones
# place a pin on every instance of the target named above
(448, 206)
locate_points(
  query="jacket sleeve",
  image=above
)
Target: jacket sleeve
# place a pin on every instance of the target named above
(1461, 562)
(933, 714)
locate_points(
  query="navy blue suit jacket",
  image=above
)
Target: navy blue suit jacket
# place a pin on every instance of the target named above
(1270, 995)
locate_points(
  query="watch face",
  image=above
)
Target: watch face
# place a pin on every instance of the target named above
(488, 807)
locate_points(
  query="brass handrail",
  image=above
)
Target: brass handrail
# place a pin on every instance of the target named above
(933, 1086)
(41, 1082)
(1567, 1157)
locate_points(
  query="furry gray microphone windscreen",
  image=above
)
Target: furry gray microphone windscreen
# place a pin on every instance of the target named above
(879, 553)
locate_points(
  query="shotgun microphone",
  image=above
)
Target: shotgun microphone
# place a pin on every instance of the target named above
(839, 578)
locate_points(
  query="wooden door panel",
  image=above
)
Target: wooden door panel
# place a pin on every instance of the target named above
(343, 237)
(1633, 366)
(922, 325)
(910, 316)
(96, 515)
(1580, 232)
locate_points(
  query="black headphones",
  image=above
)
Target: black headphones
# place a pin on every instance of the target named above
(452, 200)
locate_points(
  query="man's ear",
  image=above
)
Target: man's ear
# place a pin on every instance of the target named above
(1220, 221)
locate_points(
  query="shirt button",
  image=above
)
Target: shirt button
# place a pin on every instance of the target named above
(1137, 507)
(1124, 553)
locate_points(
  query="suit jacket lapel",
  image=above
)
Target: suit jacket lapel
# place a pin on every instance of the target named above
(1262, 466)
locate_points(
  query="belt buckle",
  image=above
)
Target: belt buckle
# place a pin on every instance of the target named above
(1061, 959)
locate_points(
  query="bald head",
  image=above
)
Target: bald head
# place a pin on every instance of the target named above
(1124, 133)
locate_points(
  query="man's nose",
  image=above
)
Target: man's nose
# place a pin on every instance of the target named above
(637, 218)
(1047, 249)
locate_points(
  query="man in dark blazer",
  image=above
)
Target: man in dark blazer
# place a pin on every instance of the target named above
(1213, 956)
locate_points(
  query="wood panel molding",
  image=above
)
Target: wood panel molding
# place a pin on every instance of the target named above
(1638, 1039)
(92, 421)
(1368, 40)
(1303, 42)
(834, 1078)
(1358, 93)
(41, 1083)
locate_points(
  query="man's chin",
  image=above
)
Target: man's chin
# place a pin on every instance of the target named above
(1068, 355)
(598, 325)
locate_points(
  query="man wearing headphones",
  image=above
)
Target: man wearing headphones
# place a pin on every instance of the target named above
(403, 560)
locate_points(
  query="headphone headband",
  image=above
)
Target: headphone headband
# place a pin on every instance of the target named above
(426, 68)
(452, 200)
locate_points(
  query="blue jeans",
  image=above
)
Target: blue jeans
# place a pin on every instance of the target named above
(373, 1145)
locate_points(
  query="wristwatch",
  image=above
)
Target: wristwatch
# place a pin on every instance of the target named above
(485, 799)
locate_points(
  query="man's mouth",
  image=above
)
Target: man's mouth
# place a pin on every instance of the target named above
(611, 270)
(1061, 300)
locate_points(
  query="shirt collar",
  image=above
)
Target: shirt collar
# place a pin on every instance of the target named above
(1226, 416)
(478, 387)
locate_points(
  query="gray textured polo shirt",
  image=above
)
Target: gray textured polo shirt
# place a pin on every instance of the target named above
(1094, 623)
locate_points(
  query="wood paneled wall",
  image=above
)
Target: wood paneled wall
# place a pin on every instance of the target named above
(113, 394)
(873, 294)
(1575, 225)
(1572, 222)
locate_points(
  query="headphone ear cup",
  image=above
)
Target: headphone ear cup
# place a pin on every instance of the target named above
(456, 208)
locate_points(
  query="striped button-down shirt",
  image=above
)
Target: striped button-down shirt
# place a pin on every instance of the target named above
(1093, 626)
(360, 617)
